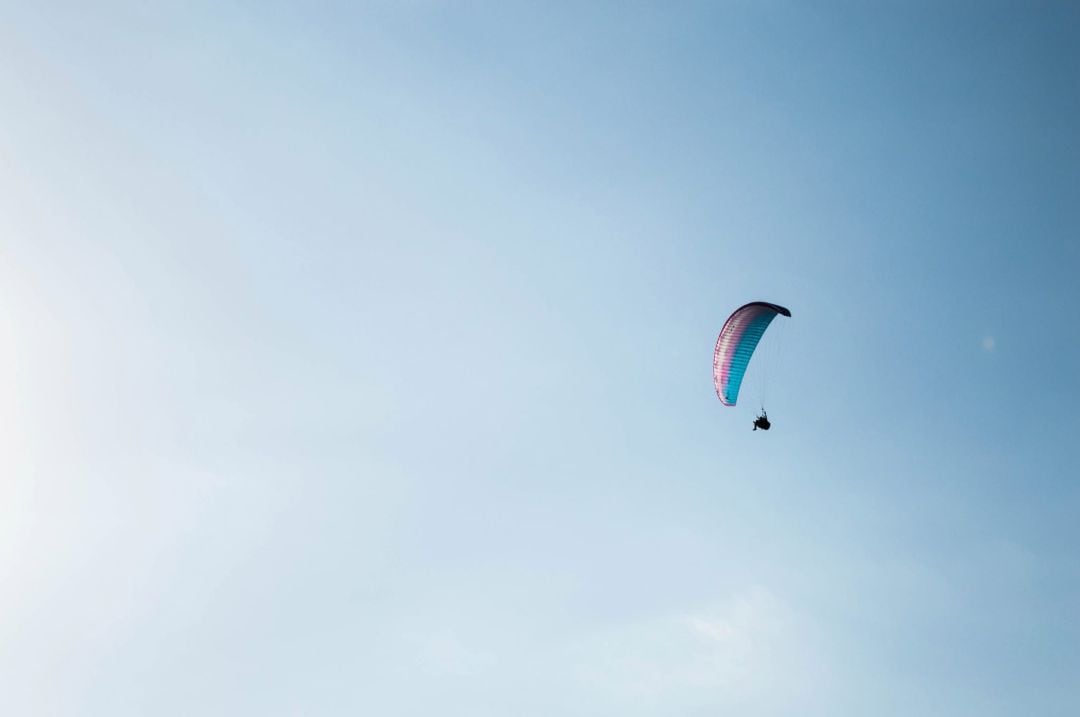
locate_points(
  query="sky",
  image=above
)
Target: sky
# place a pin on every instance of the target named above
(355, 358)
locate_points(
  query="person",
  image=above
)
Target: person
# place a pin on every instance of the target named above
(762, 421)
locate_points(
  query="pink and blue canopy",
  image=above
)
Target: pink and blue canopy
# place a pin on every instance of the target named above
(736, 344)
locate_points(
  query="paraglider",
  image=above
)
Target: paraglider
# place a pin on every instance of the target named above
(738, 338)
(762, 421)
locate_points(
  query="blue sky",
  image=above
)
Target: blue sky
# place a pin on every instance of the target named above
(355, 359)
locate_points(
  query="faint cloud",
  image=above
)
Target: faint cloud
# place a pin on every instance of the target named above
(988, 343)
(748, 650)
(443, 652)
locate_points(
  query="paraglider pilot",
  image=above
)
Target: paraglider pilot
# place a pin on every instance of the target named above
(762, 421)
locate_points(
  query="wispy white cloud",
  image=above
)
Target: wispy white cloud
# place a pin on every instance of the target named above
(752, 650)
(444, 652)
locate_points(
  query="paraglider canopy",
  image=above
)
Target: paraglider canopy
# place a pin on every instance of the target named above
(738, 338)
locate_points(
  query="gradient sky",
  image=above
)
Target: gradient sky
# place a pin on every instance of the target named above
(355, 359)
